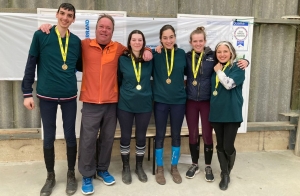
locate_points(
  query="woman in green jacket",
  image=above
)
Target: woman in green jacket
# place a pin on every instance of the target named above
(226, 106)
(169, 99)
(135, 102)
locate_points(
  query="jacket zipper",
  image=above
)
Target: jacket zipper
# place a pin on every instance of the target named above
(100, 76)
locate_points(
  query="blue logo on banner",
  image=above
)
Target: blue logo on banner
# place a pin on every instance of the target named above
(87, 28)
(240, 44)
(237, 23)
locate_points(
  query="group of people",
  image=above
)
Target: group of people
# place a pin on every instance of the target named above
(116, 85)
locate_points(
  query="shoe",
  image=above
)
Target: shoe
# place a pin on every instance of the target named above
(175, 174)
(193, 170)
(159, 176)
(209, 176)
(87, 186)
(126, 173)
(140, 172)
(225, 179)
(71, 183)
(105, 177)
(49, 184)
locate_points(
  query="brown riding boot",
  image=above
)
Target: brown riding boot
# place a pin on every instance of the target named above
(175, 174)
(159, 176)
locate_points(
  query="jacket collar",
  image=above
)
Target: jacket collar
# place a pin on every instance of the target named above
(94, 43)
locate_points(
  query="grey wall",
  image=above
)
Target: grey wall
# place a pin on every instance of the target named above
(272, 55)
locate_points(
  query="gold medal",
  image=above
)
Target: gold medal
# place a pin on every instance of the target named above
(64, 66)
(138, 87)
(215, 93)
(195, 83)
(169, 67)
(196, 69)
(168, 81)
(137, 73)
(63, 51)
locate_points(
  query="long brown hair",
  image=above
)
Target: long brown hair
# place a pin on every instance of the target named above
(136, 58)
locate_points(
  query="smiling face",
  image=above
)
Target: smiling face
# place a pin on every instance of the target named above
(136, 42)
(168, 39)
(65, 17)
(104, 31)
(223, 54)
(198, 42)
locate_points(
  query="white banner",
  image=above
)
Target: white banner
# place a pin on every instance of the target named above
(17, 31)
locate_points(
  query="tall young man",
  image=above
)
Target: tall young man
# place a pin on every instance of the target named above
(55, 56)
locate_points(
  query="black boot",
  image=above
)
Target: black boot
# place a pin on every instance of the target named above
(49, 184)
(49, 158)
(225, 179)
(71, 180)
(126, 174)
(71, 183)
(139, 169)
(71, 157)
(231, 160)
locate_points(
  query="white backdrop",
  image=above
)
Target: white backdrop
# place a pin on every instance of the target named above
(16, 31)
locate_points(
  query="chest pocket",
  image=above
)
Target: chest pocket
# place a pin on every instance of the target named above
(109, 55)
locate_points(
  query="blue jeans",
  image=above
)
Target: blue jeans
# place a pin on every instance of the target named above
(48, 111)
(161, 113)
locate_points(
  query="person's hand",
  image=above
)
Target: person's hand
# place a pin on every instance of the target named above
(158, 49)
(147, 56)
(242, 63)
(29, 103)
(218, 67)
(45, 28)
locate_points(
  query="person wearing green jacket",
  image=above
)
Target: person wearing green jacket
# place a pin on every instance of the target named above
(135, 103)
(169, 99)
(226, 106)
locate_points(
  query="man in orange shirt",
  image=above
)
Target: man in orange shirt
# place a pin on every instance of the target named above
(99, 94)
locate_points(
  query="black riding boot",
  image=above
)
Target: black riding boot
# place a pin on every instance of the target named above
(126, 174)
(231, 160)
(225, 179)
(139, 169)
(50, 181)
(71, 180)
(49, 184)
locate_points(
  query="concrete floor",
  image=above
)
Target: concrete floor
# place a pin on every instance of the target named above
(255, 173)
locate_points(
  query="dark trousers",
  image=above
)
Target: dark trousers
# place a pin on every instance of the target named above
(141, 125)
(48, 111)
(194, 110)
(161, 113)
(95, 117)
(226, 134)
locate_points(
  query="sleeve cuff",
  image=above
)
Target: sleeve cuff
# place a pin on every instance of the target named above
(27, 95)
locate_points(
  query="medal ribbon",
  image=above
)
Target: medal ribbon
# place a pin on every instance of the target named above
(170, 68)
(137, 73)
(62, 50)
(195, 71)
(217, 79)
